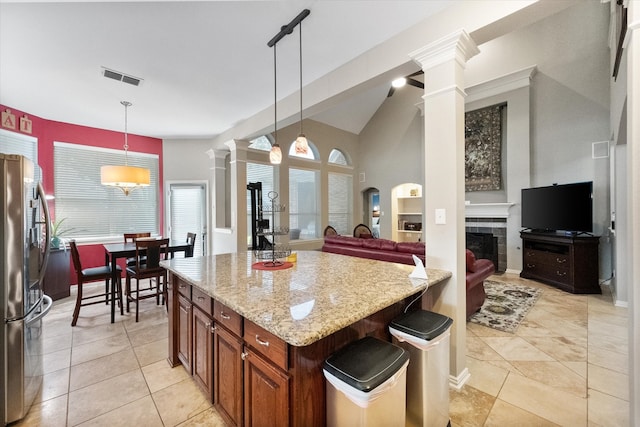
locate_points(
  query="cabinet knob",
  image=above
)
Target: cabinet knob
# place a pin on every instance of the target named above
(561, 273)
(200, 298)
(224, 316)
(561, 261)
(244, 355)
(261, 342)
(530, 265)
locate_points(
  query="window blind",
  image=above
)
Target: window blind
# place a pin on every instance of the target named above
(94, 211)
(187, 213)
(341, 202)
(257, 172)
(304, 207)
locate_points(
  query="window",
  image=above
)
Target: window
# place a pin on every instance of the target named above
(257, 172)
(94, 211)
(341, 202)
(337, 157)
(312, 153)
(304, 205)
(262, 143)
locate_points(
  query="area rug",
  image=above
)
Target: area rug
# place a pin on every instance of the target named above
(506, 305)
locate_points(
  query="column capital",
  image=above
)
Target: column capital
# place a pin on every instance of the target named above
(238, 144)
(458, 46)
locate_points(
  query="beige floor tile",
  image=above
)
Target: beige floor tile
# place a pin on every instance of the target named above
(544, 401)
(608, 359)
(579, 368)
(478, 349)
(160, 375)
(208, 418)
(515, 348)
(608, 382)
(530, 328)
(605, 327)
(54, 384)
(484, 331)
(572, 349)
(100, 398)
(57, 360)
(147, 335)
(179, 402)
(605, 410)
(102, 368)
(486, 377)
(560, 327)
(99, 348)
(152, 352)
(50, 413)
(141, 413)
(609, 342)
(83, 334)
(57, 342)
(554, 374)
(157, 316)
(469, 407)
(503, 414)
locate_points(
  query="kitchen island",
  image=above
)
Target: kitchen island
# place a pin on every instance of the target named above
(255, 340)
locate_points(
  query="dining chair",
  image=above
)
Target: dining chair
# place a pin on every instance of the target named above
(362, 230)
(131, 238)
(329, 231)
(149, 253)
(92, 274)
(191, 241)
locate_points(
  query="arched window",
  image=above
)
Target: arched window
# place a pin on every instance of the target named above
(337, 157)
(262, 143)
(312, 152)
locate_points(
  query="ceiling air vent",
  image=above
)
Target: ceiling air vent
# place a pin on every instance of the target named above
(121, 77)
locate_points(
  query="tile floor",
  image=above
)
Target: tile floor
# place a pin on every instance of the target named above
(565, 365)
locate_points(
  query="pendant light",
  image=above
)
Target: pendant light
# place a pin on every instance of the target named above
(126, 178)
(275, 155)
(302, 146)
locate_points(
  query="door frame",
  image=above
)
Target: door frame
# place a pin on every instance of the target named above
(207, 209)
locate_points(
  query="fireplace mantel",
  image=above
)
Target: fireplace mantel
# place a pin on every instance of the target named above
(487, 210)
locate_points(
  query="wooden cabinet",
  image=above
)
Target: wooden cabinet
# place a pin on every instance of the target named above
(567, 262)
(266, 392)
(56, 278)
(228, 386)
(185, 334)
(202, 356)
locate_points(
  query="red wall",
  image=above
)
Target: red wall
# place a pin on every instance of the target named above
(48, 131)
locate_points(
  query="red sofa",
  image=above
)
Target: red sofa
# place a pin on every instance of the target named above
(388, 250)
(380, 249)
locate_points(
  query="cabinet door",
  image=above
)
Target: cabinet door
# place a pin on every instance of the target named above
(266, 393)
(228, 375)
(202, 352)
(184, 332)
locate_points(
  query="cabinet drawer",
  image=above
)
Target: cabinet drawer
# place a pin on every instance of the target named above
(227, 317)
(270, 346)
(202, 300)
(184, 288)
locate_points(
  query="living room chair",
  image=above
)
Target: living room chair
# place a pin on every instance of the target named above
(149, 253)
(93, 274)
(362, 231)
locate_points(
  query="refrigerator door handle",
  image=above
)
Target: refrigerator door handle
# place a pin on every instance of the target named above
(47, 303)
(47, 232)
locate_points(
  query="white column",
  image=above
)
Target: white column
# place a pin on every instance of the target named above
(632, 49)
(443, 63)
(238, 191)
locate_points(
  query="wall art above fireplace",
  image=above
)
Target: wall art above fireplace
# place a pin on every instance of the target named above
(483, 147)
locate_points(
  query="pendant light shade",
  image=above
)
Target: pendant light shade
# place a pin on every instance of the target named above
(126, 178)
(275, 155)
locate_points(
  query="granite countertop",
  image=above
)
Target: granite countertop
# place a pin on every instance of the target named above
(321, 294)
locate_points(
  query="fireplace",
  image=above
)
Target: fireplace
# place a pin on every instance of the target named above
(483, 245)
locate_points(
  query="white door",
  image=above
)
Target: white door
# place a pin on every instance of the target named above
(187, 213)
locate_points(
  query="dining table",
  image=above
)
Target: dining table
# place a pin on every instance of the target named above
(115, 251)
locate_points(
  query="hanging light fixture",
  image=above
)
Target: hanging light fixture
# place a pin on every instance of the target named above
(126, 178)
(275, 155)
(302, 146)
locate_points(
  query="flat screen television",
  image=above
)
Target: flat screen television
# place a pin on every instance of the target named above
(566, 207)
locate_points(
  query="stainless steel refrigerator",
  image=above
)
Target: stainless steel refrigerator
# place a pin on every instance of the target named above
(24, 251)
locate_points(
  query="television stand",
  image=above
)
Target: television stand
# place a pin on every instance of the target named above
(569, 263)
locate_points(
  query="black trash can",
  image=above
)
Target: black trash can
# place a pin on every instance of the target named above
(366, 384)
(425, 335)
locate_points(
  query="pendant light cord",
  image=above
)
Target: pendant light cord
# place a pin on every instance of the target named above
(126, 140)
(275, 97)
(300, 77)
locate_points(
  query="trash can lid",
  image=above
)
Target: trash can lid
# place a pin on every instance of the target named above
(423, 324)
(366, 363)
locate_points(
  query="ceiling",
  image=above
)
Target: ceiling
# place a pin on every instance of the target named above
(205, 65)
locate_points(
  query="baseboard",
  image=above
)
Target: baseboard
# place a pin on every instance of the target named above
(509, 270)
(459, 381)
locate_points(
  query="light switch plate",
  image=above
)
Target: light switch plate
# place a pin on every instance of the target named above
(441, 216)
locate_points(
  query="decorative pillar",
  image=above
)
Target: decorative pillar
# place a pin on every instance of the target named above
(632, 48)
(238, 192)
(443, 63)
